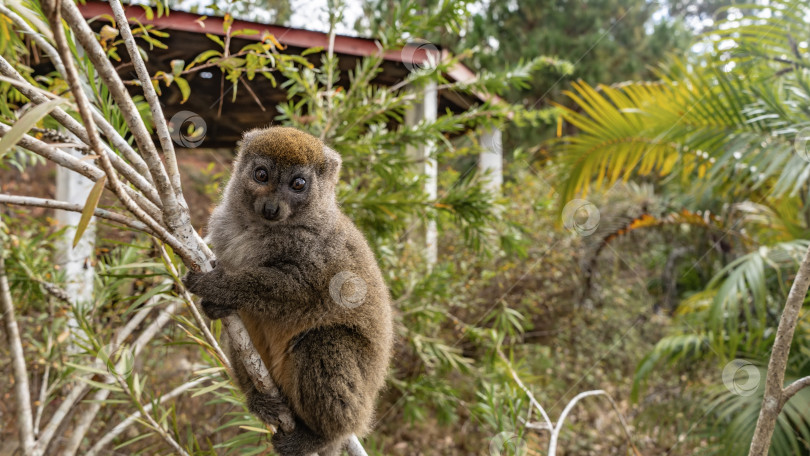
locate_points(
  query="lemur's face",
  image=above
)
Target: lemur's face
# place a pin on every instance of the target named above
(285, 175)
(278, 193)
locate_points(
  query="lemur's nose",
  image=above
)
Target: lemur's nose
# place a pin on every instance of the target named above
(270, 211)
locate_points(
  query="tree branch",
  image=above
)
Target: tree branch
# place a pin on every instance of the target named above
(141, 181)
(176, 219)
(794, 388)
(23, 395)
(532, 400)
(161, 127)
(193, 309)
(53, 204)
(774, 397)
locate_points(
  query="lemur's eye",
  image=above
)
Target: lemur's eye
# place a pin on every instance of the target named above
(298, 184)
(261, 176)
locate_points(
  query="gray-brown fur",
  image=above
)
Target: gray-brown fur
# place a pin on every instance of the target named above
(277, 252)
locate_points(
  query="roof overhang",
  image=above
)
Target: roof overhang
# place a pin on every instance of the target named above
(188, 38)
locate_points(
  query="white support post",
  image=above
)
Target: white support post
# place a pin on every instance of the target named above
(75, 262)
(490, 163)
(427, 110)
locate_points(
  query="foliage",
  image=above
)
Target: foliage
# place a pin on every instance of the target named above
(723, 128)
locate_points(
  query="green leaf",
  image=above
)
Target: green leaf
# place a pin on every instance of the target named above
(89, 208)
(215, 39)
(26, 122)
(204, 56)
(246, 32)
(149, 13)
(209, 388)
(88, 369)
(185, 89)
(177, 66)
(312, 50)
(100, 385)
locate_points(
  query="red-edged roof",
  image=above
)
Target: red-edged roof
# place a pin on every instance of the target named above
(348, 45)
(187, 40)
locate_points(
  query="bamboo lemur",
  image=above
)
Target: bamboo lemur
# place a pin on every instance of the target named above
(305, 282)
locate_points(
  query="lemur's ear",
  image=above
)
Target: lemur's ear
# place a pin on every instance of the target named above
(331, 167)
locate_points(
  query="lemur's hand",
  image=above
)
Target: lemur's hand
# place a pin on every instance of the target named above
(211, 287)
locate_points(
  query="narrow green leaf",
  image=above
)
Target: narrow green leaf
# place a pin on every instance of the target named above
(215, 39)
(89, 209)
(245, 32)
(149, 13)
(89, 369)
(177, 66)
(26, 122)
(185, 89)
(100, 385)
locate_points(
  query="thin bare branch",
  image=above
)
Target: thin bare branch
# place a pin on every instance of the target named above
(354, 447)
(176, 218)
(774, 398)
(795, 387)
(161, 127)
(22, 395)
(60, 157)
(526, 390)
(555, 433)
(53, 204)
(209, 337)
(43, 390)
(141, 181)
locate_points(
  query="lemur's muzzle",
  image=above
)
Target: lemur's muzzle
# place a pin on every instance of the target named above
(271, 211)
